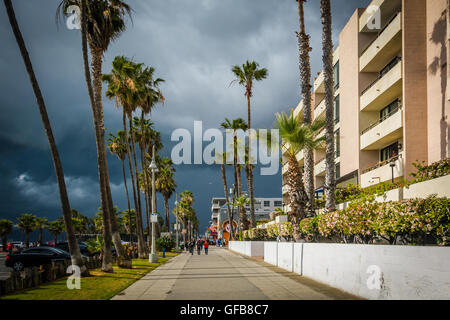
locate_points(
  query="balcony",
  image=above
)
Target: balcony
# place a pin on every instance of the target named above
(299, 110)
(319, 110)
(319, 168)
(387, 9)
(382, 172)
(285, 189)
(384, 89)
(382, 132)
(319, 83)
(285, 169)
(301, 157)
(387, 44)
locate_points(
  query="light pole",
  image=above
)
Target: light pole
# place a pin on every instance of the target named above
(392, 165)
(176, 206)
(153, 258)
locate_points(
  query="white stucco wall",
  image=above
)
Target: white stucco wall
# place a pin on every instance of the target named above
(285, 256)
(371, 271)
(254, 248)
(406, 272)
(298, 258)
(271, 252)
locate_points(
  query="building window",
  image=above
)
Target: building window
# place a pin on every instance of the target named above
(266, 203)
(389, 110)
(336, 76)
(337, 144)
(338, 170)
(336, 109)
(389, 152)
(278, 203)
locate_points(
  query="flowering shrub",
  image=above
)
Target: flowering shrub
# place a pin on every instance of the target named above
(432, 171)
(272, 231)
(286, 229)
(255, 234)
(407, 221)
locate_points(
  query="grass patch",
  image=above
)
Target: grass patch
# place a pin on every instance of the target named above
(99, 286)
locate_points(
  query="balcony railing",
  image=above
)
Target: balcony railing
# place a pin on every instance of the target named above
(385, 70)
(381, 31)
(381, 164)
(323, 99)
(373, 125)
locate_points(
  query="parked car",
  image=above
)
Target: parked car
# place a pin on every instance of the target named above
(34, 257)
(83, 248)
(18, 244)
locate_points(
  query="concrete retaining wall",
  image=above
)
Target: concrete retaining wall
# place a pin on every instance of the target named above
(271, 253)
(249, 248)
(369, 271)
(285, 256)
(439, 186)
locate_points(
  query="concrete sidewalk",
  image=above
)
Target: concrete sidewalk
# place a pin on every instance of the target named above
(223, 275)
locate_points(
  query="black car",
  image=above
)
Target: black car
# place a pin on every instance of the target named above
(34, 257)
(83, 248)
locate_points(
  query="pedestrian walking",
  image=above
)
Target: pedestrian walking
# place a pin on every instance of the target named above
(206, 245)
(199, 246)
(191, 247)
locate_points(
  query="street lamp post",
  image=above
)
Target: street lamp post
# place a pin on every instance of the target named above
(392, 165)
(178, 228)
(153, 258)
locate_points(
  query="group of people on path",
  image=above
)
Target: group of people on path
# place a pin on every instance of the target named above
(198, 244)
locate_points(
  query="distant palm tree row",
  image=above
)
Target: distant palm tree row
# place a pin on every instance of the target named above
(134, 89)
(82, 225)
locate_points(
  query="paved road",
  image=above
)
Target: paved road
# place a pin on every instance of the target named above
(223, 275)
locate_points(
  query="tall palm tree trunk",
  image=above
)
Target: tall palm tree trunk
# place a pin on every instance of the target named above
(141, 243)
(123, 261)
(249, 170)
(138, 194)
(225, 187)
(97, 61)
(297, 195)
(166, 207)
(107, 258)
(128, 199)
(305, 76)
(327, 44)
(65, 204)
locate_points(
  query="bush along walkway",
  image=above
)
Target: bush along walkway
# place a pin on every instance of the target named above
(98, 286)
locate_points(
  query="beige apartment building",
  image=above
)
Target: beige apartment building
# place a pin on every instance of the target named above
(391, 94)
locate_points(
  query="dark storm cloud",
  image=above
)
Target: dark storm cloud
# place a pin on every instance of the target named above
(192, 44)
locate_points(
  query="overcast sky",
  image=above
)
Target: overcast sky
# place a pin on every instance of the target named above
(192, 44)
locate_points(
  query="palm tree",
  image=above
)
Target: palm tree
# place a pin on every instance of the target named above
(118, 146)
(240, 203)
(327, 46)
(245, 76)
(305, 77)
(56, 228)
(27, 224)
(129, 222)
(6, 227)
(235, 125)
(64, 198)
(41, 224)
(295, 137)
(165, 184)
(102, 22)
(122, 88)
(223, 160)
